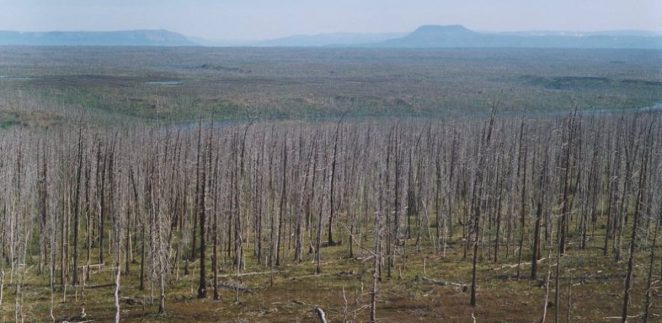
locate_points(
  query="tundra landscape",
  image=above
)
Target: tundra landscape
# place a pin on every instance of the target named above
(278, 182)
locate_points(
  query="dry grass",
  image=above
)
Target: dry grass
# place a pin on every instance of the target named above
(595, 292)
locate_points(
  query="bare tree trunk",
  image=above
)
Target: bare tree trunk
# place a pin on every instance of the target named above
(318, 244)
(202, 286)
(117, 292)
(333, 177)
(635, 223)
(77, 205)
(477, 199)
(539, 212)
(215, 228)
(649, 280)
(522, 221)
(377, 248)
(283, 196)
(549, 274)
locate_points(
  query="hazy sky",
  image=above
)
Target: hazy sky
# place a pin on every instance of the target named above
(260, 19)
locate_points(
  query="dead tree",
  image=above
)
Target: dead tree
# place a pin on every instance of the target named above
(332, 206)
(377, 246)
(635, 222)
(477, 198)
(201, 180)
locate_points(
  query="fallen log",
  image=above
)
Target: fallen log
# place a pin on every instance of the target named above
(249, 274)
(310, 276)
(320, 314)
(441, 282)
(235, 287)
(511, 266)
(620, 317)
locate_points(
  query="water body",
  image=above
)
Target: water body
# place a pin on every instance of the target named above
(165, 83)
(655, 107)
(15, 78)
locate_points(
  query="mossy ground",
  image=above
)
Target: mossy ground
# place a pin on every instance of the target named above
(590, 282)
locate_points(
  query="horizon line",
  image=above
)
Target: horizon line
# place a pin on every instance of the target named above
(659, 32)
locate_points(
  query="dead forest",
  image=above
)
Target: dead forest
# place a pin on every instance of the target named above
(207, 201)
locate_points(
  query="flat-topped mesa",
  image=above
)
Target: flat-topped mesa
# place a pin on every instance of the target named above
(441, 29)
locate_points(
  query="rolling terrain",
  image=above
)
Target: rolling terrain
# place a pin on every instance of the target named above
(169, 184)
(49, 85)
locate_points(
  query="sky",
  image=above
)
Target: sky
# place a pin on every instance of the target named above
(264, 19)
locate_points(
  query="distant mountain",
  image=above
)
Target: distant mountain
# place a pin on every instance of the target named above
(96, 38)
(221, 43)
(455, 36)
(428, 36)
(328, 40)
(636, 33)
